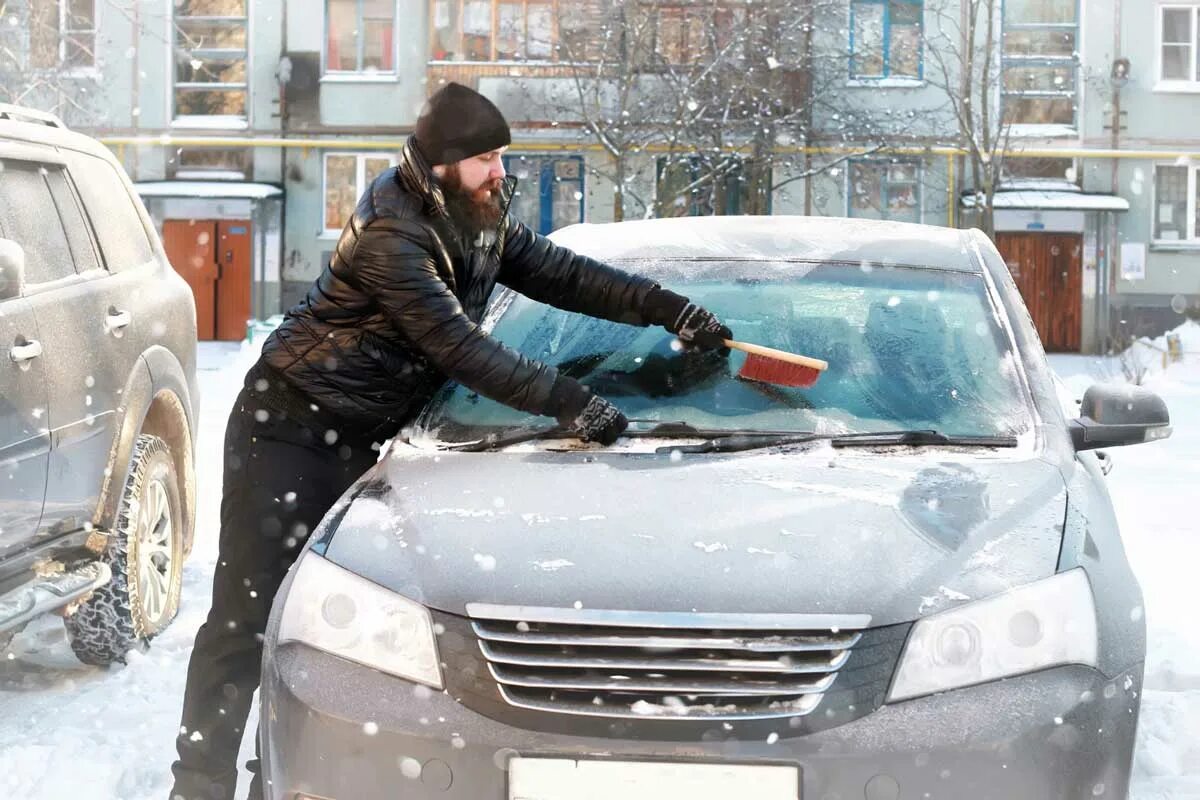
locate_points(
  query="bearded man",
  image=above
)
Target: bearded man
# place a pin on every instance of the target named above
(393, 316)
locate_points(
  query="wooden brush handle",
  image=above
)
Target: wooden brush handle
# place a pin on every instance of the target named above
(780, 355)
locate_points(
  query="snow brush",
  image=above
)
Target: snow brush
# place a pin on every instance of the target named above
(767, 365)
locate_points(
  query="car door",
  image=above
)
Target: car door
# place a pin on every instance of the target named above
(81, 322)
(25, 437)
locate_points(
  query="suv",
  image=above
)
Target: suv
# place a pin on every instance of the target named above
(97, 396)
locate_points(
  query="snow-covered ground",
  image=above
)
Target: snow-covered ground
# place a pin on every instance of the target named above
(70, 731)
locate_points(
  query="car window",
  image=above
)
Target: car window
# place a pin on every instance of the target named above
(907, 348)
(123, 239)
(29, 217)
(79, 234)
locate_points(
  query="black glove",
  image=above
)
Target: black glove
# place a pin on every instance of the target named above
(591, 416)
(694, 325)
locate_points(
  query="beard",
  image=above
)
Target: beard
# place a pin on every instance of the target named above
(473, 212)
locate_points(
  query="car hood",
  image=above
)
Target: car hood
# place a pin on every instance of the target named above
(894, 535)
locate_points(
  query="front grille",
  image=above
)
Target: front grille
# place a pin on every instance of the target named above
(663, 666)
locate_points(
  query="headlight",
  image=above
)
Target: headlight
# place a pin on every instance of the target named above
(334, 610)
(1044, 624)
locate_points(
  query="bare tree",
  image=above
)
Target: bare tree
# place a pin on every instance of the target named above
(963, 45)
(723, 94)
(44, 56)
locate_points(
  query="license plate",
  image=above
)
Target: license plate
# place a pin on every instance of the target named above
(569, 779)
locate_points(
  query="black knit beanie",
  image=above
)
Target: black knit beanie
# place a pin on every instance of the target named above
(458, 122)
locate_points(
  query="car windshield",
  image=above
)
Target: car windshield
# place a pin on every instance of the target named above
(907, 348)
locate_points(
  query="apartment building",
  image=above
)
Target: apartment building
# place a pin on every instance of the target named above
(252, 126)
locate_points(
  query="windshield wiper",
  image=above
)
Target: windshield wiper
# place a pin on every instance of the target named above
(919, 439)
(744, 440)
(661, 430)
(751, 441)
(496, 442)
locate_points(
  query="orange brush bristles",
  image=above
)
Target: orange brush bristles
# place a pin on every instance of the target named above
(781, 373)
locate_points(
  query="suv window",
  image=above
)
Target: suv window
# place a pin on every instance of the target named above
(29, 217)
(79, 235)
(118, 226)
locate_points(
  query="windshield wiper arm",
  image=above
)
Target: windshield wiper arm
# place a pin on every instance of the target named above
(919, 439)
(495, 442)
(747, 440)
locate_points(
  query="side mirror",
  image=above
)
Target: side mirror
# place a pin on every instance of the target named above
(1113, 415)
(12, 269)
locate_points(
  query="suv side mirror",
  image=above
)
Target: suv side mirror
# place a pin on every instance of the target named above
(12, 269)
(1115, 414)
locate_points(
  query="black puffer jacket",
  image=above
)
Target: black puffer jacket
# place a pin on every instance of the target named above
(396, 311)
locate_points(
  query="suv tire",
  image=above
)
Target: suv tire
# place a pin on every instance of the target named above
(145, 552)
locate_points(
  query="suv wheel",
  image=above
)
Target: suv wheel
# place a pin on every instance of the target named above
(145, 552)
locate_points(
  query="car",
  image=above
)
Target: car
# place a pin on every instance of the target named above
(904, 581)
(98, 397)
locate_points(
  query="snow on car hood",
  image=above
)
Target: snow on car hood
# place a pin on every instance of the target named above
(893, 535)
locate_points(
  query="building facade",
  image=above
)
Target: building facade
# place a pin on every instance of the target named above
(252, 126)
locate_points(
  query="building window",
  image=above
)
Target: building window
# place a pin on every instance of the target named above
(885, 39)
(62, 34)
(1040, 64)
(493, 30)
(1177, 204)
(360, 36)
(884, 190)
(1179, 44)
(686, 187)
(210, 61)
(683, 33)
(347, 176)
(549, 190)
(209, 163)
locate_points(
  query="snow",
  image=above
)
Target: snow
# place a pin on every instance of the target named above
(207, 189)
(67, 728)
(1053, 200)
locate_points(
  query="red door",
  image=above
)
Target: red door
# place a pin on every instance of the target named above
(233, 286)
(215, 259)
(191, 248)
(1048, 270)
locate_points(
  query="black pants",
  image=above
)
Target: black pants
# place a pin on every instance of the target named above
(281, 477)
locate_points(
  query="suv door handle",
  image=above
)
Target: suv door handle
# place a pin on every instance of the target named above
(117, 320)
(21, 353)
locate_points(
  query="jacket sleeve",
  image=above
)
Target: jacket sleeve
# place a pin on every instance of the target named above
(394, 263)
(537, 268)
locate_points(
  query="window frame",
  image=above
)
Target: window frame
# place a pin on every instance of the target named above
(885, 163)
(457, 13)
(64, 32)
(360, 168)
(42, 167)
(1192, 240)
(887, 76)
(1020, 61)
(360, 73)
(214, 121)
(695, 167)
(1164, 84)
(545, 194)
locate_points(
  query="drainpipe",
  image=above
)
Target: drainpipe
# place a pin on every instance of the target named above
(1109, 287)
(283, 129)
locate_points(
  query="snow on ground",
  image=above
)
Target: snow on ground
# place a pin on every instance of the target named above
(67, 730)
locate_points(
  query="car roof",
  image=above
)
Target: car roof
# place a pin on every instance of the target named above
(775, 238)
(37, 133)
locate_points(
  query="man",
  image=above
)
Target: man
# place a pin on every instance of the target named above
(392, 317)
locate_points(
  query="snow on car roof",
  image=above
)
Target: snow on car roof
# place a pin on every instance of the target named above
(773, 238)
